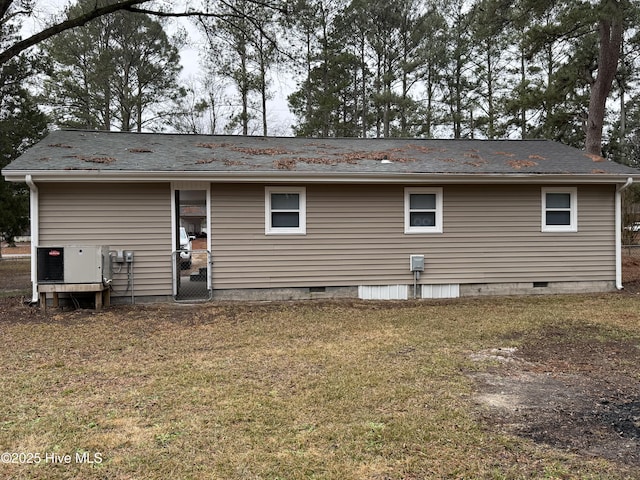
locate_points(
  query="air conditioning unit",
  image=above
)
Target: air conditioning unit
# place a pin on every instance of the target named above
(74, 264)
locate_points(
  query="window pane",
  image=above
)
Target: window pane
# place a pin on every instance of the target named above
(285, 219)
(559, 218)
(558, 200)
(285, 201)
(422, 201)
(422, 219)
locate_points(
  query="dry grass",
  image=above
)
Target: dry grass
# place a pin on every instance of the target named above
(15, 277)
(340, 390)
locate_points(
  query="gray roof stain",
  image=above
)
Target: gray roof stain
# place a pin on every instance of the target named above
(149, 152)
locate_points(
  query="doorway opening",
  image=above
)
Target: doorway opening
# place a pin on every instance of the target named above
(191, 257)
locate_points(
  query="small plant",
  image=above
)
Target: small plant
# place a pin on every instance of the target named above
(374, 435)
(164, 439)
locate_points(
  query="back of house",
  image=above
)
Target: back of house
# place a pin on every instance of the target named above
(281, 218)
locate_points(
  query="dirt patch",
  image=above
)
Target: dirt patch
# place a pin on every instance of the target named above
(631, 273)
(573, 388)
(19, 249)
(630, 268)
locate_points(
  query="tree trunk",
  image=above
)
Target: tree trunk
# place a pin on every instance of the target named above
(611, 31)
(263, 94)
(491, 133)
(307, 84)
(107, 108)
(523, 82)
(364, 93)
(244, 90)
(139, 109)
(125, 103)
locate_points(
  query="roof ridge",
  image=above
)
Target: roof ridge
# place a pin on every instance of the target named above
(279, 137)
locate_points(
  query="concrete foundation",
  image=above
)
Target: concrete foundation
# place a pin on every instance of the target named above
(465, 290)
(303, 293)
(534, 288)
(143, 299)
(313, 293)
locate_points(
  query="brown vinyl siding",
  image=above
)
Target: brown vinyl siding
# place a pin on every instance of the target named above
(355, 236)
(123, 217)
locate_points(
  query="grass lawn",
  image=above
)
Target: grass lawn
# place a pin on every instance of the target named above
(330, 390)
(15, 277)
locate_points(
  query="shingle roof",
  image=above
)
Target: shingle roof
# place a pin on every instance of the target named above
(68, 150)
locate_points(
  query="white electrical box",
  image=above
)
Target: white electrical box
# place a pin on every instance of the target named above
(416, 263)
(74, 264)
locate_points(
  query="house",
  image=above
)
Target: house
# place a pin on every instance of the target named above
(309, 218)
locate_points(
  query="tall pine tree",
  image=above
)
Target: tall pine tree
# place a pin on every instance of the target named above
(119, 71)
(22, 124)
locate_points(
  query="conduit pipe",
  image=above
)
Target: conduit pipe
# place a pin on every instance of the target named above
(35, 233)
(619, 226)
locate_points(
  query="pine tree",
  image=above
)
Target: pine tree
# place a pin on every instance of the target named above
(118, 71)
(21, 125)
(242, 47)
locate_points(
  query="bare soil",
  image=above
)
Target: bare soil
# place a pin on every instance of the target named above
(569, 390)
(573, 388)
(631, 274)
(19, 249)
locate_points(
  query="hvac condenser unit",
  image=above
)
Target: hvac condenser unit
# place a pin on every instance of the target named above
(72, 264)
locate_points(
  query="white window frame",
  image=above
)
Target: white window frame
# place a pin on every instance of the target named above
(301, 229)
(408, 228)
(573, 209)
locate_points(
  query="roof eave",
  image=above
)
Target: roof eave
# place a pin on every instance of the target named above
(74, 176)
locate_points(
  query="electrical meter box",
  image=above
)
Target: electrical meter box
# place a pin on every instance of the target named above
(416, 263)
(74, 264)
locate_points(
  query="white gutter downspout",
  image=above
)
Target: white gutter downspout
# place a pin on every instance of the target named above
(619, 190)
(35, 234)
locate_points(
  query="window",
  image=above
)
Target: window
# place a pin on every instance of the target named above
(285, 210)
(423, 210)
(559, 210)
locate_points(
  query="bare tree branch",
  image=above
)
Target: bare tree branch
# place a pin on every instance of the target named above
(4, 7)
(23, 8)
(23, 45)
(129, 5)
(204, 14)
